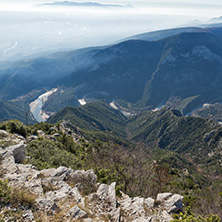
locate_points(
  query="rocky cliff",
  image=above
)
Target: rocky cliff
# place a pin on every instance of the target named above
(63, 194)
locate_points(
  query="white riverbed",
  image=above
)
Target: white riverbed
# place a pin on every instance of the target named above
(36, 106)
(112, 104)
(82, 102)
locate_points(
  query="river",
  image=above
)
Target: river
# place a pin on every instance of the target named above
(36, 106)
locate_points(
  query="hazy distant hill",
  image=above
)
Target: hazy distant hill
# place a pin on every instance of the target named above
(157, 35)
(143, 73)
(81, 4)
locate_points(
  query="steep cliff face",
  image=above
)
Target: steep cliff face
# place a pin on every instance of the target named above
(190, 65)
(65, 194)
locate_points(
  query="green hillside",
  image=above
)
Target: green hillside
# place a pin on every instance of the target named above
(196, 139)
(139, 168)
(96, 116)
(19, 107)
(15, 110)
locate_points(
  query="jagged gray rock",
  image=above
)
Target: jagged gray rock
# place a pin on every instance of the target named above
(161, 216)
(60, 194)
(59, 172)
(56, 190)
(104, 203)
(141, 219)
(76, 213)
(133, 208)
(18, 152)
(28, 216)
(81, 175)
(78, 198)
(56, 134)
(172, 203)
(32, 137)
(149, 203)
(8, 139)
(209, 135)
(70, 128)
(40, 133)
(3, 133)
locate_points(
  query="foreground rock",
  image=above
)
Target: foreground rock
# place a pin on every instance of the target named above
(76, 196)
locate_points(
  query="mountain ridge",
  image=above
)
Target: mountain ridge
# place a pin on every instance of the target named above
(139, 73)
(166, 129)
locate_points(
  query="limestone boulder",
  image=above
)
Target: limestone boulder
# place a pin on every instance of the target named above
(172, 203)
(149, 203)
(28, 216)
(18, 152)
(77, 197)
(60, 194)
(40, 133)
(75, 213)
(133, 207)
(3, 133)
(48, 206)
(32, 137)
(103, 203)
(58, 172)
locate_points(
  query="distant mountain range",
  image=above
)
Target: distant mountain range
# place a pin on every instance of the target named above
(157, 35)
(82, 4)
(145, 71)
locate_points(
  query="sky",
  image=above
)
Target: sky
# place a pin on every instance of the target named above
(27, 29)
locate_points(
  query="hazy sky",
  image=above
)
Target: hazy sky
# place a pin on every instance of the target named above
(28, 29)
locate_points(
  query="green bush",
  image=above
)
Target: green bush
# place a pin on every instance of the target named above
(188, 200)
(14, 126)
(16, 197)
(105, 175)
(68, 144)
(5, 192)
(45, 127)
(188, 216)
(46, 153)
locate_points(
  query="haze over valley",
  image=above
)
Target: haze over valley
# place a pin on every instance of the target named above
(31, 29)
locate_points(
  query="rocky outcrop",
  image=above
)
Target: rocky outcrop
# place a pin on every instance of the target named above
(172, 203)
(7, 139)
(3, 133)
(76, 213)
(18, 152)
(72, 130)
(103, 203)
(76, 195)
(209, 135)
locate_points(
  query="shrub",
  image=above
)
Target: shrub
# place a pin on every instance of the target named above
(46, 153)
(14, 196)
(45, 127)
(14, 126)
(5, 192)
(188, 216)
